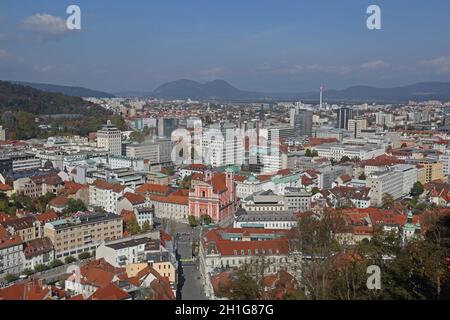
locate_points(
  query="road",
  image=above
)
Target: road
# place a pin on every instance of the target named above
(189, 280)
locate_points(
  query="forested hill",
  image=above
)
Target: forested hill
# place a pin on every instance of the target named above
(14, 97)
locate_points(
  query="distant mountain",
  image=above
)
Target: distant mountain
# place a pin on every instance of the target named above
(214, 90)
(67, 90)
(418, 92)
(222, 90)
(15, 97)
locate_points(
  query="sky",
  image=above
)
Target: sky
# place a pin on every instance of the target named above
(259, 45)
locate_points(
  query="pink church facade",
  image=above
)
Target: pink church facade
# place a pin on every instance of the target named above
(213, 194)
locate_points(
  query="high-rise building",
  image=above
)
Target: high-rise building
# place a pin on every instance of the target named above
(110, 138)
(223, 145)
(343, 115)
(301, 120)
(355, 126)
(166, 126)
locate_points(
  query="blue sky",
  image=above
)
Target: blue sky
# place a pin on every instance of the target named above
(262, 45)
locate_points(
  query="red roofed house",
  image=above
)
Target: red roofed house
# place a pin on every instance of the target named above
(214, 196)
(105, 195)
(172, 206)
(58, 204)
(232, 248)
(38, 252)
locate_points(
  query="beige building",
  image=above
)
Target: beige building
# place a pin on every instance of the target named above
(83, 233)
(110, 138)
(28, 228)
(434, 170)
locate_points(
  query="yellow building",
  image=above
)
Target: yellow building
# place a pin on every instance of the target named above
(165, 269)
(434, 170)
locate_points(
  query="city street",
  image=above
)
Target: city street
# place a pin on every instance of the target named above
(189, 281)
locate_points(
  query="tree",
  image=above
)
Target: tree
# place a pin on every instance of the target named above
(362, 176)
(11, 278)
(308, 153)
(242, 286)
(146, 226)
(388, 201)
(315, 190)
(345, 159)
(186, 182)
(404, 145)
(314, 153)
(84, 256)
(75, 205)
(192, 221)
(70, 260)
(132, 227)
(56, 263)
(41, 268)
(206, 219)
(417, 189)
(137, 136)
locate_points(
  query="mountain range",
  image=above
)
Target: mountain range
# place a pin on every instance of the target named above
(220, 90)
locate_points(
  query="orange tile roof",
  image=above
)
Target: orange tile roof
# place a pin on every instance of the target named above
(26, 290)
(134, 198)
(109, 292)
(153, 188)
(59, 202)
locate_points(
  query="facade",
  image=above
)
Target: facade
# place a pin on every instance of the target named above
(355, 126)
(232, 248)
(301, 120)
(343, 116)
(38, 252)
(122, 252)
(213, 195)
(11, 255)
(27, 228)
(390, 182)
(105, 195)
(222, 145)
(110, 139)
(174, 206)
(279, 220)
(82, 233)
(263, 201)
(337, 151)
(297, 200)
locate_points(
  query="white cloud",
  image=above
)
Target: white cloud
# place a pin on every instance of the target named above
(374, 65)
(441, 64)
(45, 24)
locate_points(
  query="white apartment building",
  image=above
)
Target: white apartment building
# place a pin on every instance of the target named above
(222, 145)
(445, 159)
(338, 151)
(390, 182)
(105, 195)
(122, 252)
(409, 176)
(110, 138)
(11, 255)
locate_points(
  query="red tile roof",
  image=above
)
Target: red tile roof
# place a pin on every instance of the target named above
(102, 184)
(110, 292)
(150, 188)
(134, 198)
(26, 290)
(59, 202)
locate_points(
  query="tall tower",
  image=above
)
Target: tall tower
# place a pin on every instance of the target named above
(321, 96)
